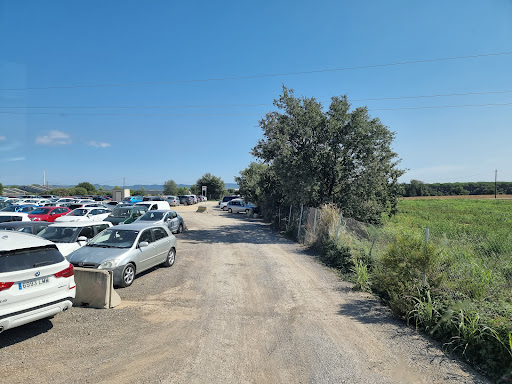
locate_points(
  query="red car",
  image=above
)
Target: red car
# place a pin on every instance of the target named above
(48, 213)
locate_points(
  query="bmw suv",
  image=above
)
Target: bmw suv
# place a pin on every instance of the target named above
(36, 281)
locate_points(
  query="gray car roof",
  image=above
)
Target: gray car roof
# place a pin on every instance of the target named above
(138, 226)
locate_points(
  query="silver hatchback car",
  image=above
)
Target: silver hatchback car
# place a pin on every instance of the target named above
(127, 250)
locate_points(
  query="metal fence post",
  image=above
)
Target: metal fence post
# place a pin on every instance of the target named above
(339, 226)
(300, 222)
(314, 224)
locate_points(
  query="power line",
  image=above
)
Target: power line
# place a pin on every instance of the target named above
(261, 75)
(242, 114)
(253, 105)
(442, 106)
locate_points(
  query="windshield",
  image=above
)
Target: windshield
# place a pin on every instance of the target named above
(59, 234)
(78, 212)
(114, 238)
(152, 216)
(22, 259)
(121, 212)
(40, 211)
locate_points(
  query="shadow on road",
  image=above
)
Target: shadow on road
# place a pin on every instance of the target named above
(24, 332)
(245, 231)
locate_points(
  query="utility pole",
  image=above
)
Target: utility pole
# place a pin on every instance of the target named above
(124, 178)
(495, 183)
(44, 177)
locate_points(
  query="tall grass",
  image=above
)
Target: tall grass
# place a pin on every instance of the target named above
(457, 286)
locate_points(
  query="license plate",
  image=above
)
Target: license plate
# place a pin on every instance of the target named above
(33, 283)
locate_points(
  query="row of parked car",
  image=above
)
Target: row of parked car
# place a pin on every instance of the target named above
(37, 257)
(236, 204)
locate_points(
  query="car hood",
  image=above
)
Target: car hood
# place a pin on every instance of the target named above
(96, 254)
(67, 219)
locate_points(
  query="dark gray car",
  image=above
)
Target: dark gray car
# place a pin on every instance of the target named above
(127, 250)
(126, 214)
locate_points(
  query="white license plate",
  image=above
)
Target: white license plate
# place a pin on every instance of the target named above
(33, 283)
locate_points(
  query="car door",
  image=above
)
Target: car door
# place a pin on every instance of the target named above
(146, 256)
(162, 245)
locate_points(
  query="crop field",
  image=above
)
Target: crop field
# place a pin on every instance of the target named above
(458, 285)
(459, 197)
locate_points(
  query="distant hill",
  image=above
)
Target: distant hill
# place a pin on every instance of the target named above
(147, 187)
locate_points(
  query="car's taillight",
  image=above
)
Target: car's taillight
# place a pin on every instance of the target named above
(68, 272)
(5, 285)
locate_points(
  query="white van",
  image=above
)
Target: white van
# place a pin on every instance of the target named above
(153, 205)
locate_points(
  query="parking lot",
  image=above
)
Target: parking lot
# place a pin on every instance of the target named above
(240, 304)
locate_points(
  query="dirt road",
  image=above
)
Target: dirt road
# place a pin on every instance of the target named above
(240, 305)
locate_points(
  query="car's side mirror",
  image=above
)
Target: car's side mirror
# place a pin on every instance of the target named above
(82, 238)
(143, 244)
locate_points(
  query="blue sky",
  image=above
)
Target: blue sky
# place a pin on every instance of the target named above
(79, 135)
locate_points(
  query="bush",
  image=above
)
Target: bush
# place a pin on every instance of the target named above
(337, 256)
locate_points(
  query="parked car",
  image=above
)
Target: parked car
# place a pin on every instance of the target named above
(13, 216)
(172, 219)
(132, 199)
(85, 214)
(126, 214)
(172, 200)
(32, 227)
(224, 202)
(127, 250)
(154, 205)
(25, 208)
(153, 198)
(36, 281)
(186, 200)
(239, 205)
(48, 213)
(73, 235)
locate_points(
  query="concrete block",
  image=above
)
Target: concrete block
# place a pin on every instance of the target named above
(95, 289)
(202, 209)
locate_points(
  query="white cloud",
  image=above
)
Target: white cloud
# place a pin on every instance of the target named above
(54, 138)
(98, 144)
(3, 138)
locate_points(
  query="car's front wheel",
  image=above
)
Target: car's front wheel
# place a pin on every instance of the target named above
(171, 257)
(230, 210)
(180, 228)
(128, 275)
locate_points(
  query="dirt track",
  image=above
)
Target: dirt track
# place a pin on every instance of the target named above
(241, 305)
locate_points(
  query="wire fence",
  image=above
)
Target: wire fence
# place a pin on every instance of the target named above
(308, 225)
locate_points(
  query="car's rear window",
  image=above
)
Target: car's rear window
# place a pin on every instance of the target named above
(21, 259)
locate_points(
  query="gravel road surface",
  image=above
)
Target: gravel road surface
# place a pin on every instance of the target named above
(240, 305)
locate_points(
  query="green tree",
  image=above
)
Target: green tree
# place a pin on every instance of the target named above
(77, 191)
(337, 156)
(170, 188)
(183, 191)
(90, 189)
(1, 188)
(215, 186)
(250, 182)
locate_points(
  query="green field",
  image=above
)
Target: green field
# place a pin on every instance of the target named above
(458, 286)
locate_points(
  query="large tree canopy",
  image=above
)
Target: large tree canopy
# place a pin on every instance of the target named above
(215, 185)
(170, 188)
(338, 156)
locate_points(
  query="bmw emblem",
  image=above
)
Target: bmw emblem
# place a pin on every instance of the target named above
(38, 273)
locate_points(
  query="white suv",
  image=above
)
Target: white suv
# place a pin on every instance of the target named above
(36, 281)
